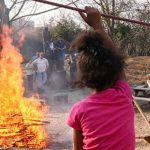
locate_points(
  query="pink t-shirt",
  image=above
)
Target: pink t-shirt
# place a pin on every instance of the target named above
(106, 119)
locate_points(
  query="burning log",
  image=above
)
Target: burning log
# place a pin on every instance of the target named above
(44, 122)
(35, 124)
(10, 135)
(4, 128)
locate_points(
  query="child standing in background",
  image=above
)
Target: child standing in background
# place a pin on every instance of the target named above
(30, 70)
(105, 119)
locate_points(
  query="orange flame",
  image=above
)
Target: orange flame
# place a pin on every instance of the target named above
(20, 117)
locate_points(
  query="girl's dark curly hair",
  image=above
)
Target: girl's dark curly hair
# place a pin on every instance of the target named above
(98, 66)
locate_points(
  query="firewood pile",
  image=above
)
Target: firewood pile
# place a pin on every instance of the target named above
(18, 134)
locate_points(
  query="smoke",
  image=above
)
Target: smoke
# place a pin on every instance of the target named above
(30, 41)
(21, 37)
(58, 80)
(61, 133)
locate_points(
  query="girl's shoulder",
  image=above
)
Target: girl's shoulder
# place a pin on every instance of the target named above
(80, 105)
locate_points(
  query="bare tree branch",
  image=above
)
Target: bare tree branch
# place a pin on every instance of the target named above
(14, 3)
(38, 13)
(23, 3)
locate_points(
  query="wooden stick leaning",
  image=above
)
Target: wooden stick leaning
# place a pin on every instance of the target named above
(142, 113)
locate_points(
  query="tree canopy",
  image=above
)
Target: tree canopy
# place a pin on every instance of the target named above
(67, 29)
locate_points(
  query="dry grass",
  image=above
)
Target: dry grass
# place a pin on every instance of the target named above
(137, 68)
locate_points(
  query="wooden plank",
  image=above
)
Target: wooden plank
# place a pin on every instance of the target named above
(140, 88)
(141, 99)
(141, 112)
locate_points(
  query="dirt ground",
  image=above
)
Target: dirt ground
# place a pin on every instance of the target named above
(137, 68)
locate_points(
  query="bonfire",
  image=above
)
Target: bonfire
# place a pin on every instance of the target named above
(21, 119)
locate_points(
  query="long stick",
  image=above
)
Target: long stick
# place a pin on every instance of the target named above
(103, 15)
(142, 113)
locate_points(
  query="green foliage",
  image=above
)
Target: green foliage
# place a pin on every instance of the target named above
(67, 29)
(122, 30)
(133, 40)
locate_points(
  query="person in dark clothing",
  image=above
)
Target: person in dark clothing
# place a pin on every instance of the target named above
(73, 70)
(60, 46)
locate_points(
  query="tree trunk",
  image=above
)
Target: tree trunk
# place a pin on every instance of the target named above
(4, 13)
(4, 18)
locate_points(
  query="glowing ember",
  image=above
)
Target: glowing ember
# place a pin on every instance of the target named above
(21, 119)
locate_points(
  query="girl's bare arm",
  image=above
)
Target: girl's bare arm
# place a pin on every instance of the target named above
(77, 140)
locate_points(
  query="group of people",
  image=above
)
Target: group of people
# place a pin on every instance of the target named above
(70, 67)
(40, 69)
(36, 70)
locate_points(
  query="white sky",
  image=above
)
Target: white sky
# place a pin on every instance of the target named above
(44, 18)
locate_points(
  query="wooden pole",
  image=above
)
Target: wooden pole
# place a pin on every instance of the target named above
(103, 15)
(142, 113)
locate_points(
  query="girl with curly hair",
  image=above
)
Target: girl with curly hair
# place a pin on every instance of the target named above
(105, 119)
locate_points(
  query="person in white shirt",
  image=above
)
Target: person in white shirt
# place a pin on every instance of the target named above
(41, 64)
(51, 45)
